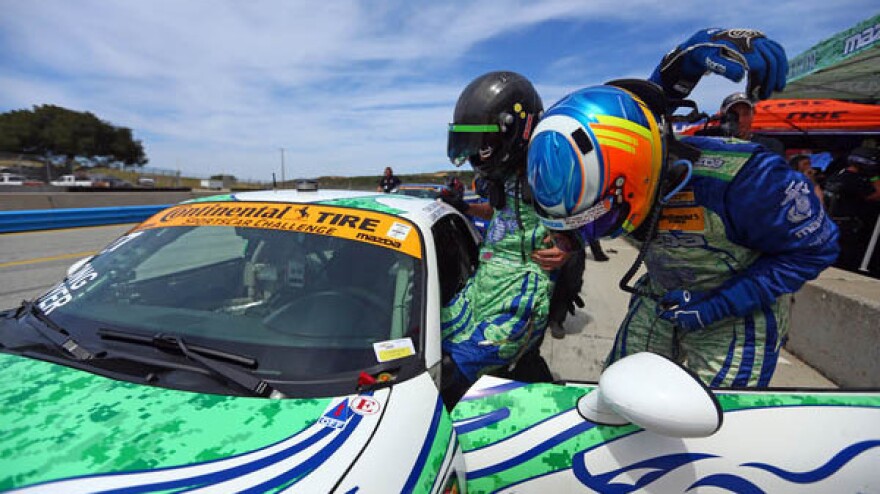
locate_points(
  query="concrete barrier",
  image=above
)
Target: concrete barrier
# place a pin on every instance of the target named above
(835, 326)
(20, 201)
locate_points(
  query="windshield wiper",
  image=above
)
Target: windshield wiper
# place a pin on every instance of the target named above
(209, 358)
(169, 342)
(55, 333)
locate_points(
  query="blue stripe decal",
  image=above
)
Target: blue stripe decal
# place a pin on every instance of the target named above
(537, 450)
(719, 378)
(730, 483)
(299, 471)
(521, 431)
(223, 475)
(451, 447)
(823, 472)
(608, 482)
(484, 420)
(771, 353)
(494, 390)
(410, 484)
(748, 354)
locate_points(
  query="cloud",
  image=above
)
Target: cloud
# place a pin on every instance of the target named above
(346, 87)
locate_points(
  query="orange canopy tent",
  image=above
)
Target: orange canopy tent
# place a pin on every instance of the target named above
(815, 116)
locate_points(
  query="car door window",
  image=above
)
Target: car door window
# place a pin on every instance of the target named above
(456, 255)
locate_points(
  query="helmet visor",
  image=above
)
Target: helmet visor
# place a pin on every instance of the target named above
(466, 141)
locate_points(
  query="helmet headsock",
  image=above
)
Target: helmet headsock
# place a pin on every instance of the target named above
(492, 123)
(596, 160)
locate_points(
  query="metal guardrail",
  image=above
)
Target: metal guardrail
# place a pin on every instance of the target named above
(52, 219)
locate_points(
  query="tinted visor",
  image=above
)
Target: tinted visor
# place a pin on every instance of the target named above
(472, 140)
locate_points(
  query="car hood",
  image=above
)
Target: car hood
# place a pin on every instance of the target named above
(59, 425)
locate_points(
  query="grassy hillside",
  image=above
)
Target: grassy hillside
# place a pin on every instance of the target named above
(366, 182)
(369, 182)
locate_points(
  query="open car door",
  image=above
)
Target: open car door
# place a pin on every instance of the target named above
(521, 437)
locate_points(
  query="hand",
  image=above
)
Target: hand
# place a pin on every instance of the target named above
(731, 53)
(454, 199)
(689, 311)
(551, 258)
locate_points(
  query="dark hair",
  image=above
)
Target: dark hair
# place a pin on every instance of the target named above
(794, 160)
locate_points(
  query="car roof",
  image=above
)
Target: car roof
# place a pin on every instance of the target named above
(424, 212)
(422, 186)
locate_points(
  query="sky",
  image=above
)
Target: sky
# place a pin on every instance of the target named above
(343, 87)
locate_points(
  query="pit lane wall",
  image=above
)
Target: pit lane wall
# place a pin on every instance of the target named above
(30, 211)
(835, 327)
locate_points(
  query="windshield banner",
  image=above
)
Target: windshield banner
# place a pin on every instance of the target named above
(354, 224)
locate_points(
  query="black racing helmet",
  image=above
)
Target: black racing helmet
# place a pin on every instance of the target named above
(866, 159)
(493, 121)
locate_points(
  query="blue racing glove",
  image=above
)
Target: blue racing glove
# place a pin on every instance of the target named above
(689, 311)
(731, 53)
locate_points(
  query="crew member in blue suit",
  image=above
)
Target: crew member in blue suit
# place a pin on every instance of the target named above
(728, 230)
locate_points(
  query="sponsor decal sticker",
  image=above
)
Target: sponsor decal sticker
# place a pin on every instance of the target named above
(434, 210)
(337, 416)
(394, 349)
(713, 162)
(365, 405)
(688, 219)
(682, 198)
(63, 292)
(354, 224)
(399, 231)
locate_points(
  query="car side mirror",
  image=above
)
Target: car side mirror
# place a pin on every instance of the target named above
(78, 265)
(654, 393)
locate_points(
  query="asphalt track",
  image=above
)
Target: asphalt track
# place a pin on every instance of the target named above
(31, 263)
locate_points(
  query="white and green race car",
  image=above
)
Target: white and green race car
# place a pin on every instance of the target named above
(290, 341)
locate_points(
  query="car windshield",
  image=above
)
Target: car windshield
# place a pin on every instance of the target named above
(307, 297)
(423, 192)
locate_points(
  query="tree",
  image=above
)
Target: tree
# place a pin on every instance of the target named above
(50, 129)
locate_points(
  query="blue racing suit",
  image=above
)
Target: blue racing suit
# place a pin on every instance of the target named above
(745, 232)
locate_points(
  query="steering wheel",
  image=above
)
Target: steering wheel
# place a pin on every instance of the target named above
(369, 298)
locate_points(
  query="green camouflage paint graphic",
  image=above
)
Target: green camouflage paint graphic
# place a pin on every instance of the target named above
(532, 404)
(528, 406)
(368, 203)
(436, 455)
(735, 401)
(57, 422)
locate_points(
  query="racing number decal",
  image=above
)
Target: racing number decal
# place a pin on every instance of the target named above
(354, 224)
